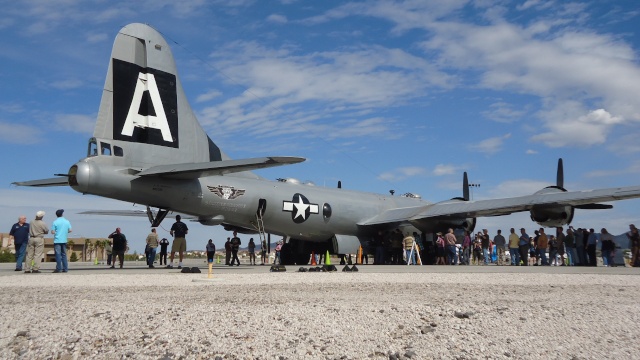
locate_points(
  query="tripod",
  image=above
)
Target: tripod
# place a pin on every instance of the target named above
(414, 248)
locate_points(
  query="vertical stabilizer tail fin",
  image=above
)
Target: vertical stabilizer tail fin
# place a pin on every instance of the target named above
(144, 110)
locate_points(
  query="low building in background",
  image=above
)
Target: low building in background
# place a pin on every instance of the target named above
(82, 249)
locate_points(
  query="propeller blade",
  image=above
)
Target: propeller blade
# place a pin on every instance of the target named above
(560, 177)
(465, 187)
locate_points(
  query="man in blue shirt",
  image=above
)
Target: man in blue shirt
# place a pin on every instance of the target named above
(60, 229)
(19, 234)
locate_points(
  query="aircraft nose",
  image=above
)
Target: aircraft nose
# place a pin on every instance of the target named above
(80, 176)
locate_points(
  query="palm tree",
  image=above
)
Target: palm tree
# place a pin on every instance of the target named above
(70, 244)
(100, 244)
(85, 248)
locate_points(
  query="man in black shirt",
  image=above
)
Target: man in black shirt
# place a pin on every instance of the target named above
(119, 246)
(178, 231)
(164, 243)
(235, 245)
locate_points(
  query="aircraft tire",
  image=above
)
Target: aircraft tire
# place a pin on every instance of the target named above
(302, 259)
(287, 257)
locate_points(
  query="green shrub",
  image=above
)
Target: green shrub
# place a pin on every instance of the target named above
(73, 257)
(7, 257)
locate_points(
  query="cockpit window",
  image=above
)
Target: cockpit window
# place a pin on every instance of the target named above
(105, 149)
(93, 147)
(117, 151)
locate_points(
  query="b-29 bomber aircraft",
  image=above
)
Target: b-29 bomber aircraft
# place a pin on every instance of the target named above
(148, 148)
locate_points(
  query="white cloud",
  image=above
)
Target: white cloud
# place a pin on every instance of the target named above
(531, 152)
(277, 19)
(626, 144)
(402, 173)
(95, 38)
(209, 95)
(339, 88)
(633, 168)
(541, 4)
(442, 169)
(19, 134)
(76, 123)
(490, 145)
(12, 108)
(503, 112)
(584, 130)
(513, 188)
(67, 84)
(546, 57)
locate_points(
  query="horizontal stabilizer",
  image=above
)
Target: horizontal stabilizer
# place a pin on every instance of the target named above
(198, 170)
(56, 181)
(135, 213)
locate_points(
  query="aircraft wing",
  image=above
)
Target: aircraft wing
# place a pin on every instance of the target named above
(134, 213)
(56, 181)
(198, 170)
(497, 207)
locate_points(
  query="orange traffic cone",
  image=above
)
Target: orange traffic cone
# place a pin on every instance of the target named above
(313, 259)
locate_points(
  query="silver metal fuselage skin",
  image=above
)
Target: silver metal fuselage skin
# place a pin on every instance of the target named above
(194, 197)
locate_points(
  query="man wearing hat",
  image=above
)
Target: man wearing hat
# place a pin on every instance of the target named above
(60, 229)
(37, 230)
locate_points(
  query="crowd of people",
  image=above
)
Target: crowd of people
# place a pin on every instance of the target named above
(573, 247)
(570, 247)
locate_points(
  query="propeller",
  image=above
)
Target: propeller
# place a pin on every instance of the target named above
(465, 187)
(560, 184)
(560, 175)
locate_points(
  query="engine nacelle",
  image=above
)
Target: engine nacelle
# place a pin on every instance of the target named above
(211, 221)
(552, 215)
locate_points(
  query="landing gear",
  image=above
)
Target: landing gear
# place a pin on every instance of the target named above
(294, 253)
(157, 218)
(303, 259)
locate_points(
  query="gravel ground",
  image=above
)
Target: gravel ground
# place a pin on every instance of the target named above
(320, 316)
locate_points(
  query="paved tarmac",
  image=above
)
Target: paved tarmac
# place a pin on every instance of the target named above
(381, 312)
(139, 267)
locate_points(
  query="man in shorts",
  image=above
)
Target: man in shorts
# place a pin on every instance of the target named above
(178, 230)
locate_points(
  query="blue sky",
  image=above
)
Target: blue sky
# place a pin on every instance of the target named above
(402, 95)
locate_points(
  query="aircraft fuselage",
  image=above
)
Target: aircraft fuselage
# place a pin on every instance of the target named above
(301, 211)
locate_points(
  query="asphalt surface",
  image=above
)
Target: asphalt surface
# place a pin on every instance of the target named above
(139, 267)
